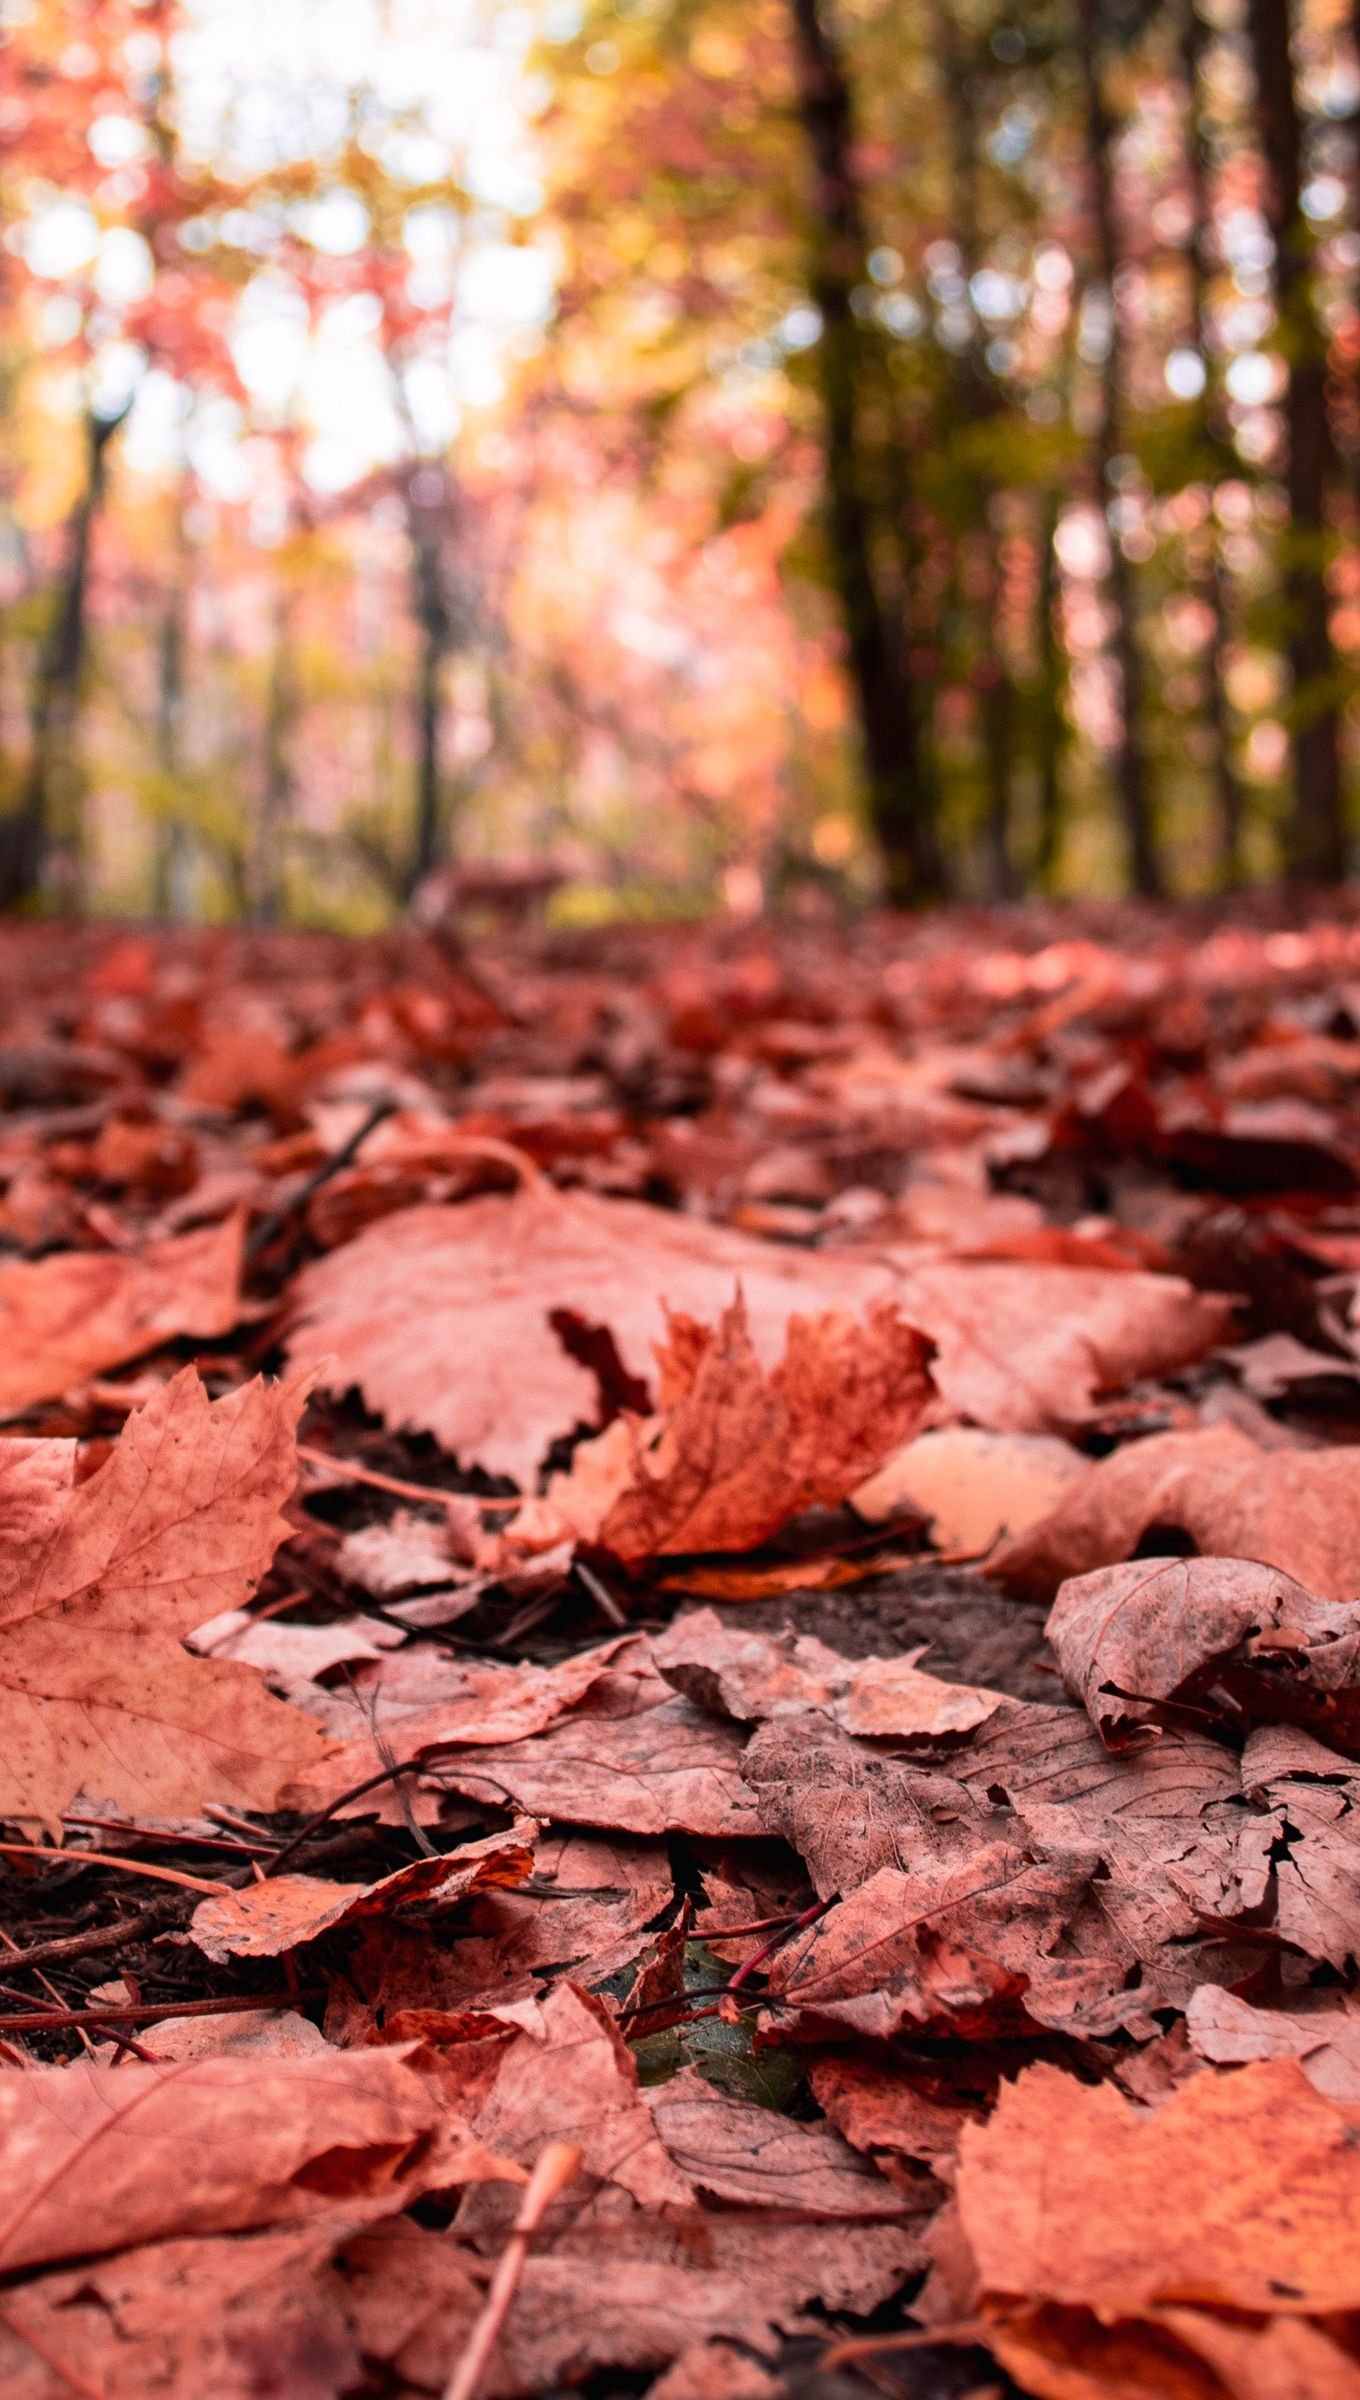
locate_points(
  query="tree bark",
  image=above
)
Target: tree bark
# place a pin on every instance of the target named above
(276, 795)
(434, 623)
(1228, 794)
(1050, 729)
(1131, 773)
(50, 798)
(1317, 833)
(901, 794)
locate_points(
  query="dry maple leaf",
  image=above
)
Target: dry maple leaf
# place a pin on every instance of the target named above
(740, 1453)
(78, 1312)
(1298, 1510)
(98, 1586)
(443, 1317)
(269, 1918)
(750, 2157)
(1130, 1638)
(1322, 2031)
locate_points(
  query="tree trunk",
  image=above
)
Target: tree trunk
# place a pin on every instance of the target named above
(975, 400)
(170, 898)
(1050, 730)
(434, 624)
(49, 802)
(901, 796)
(1228, 794)
(276, 796)
(1131, 775)
(1317, 833)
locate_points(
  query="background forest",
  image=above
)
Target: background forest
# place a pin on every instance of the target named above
(675, 451)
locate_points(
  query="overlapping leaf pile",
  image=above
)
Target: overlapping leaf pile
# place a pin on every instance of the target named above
(743, 1556)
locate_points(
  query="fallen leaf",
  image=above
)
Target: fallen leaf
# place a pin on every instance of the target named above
(98, 1587)
(77, 1312)
(1295, 1510)
(748, 2157)
(1322, 2031)
(971, 1486)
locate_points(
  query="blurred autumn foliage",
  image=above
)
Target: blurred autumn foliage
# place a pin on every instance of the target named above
(711, 451)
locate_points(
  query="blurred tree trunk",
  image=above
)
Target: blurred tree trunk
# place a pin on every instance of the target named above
(1131, 774)
(276, 794)
(169, 897)
(1316, 848)
(976, 399)
(1050, 729)
(901, 794)
(1228, 794)
(49, 802)
(434, 624)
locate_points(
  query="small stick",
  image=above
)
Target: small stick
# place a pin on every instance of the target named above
(841, 2354)
(140, 2012)
(105, 1858)
(97, 1937)
(556, 2167)
(776, 1942)
(348, 1470)
(275, 1222)
(163, 1833)
(408, 1766)
(600, 1593)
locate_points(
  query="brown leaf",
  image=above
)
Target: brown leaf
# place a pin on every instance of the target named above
(739, 1453)
(482, 1281)
(269, 1918)
(1295, 1510)
(1129, 1638)
(1322, 2030)
(99, 1585)
(908, 2110)
(971, 1486)
(759, 1675)
(78, 1312)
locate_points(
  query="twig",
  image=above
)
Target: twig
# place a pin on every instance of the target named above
(969, 2331)
(600, 1593)
(104, 1858)
(409, 1766)
(164, 1833)
(275, 1222)
(99, 1937)
(556, 2167)
(348, 1470)
(758, 1957)
(140, 2012)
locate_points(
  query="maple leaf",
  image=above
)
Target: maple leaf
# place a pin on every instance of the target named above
(1295, 1510)
(971, 1486)
(284, 1911)
(78, 1312)
(756, 1675)
(98, 1586)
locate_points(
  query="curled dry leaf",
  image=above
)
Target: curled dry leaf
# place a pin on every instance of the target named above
(98, 1586)
(1131, 1638)
(752, 1676)
(971, 1486)
(1295, 1510)
(266, 1919)
(78, 1312)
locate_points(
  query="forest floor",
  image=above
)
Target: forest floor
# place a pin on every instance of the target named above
(680, 1623)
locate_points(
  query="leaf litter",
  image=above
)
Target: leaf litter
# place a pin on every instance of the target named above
(786, 1657)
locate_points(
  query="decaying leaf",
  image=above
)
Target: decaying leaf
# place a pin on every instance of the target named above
(752, 1676)
(266, 1919)
(100, 1583)
(972, 1486)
